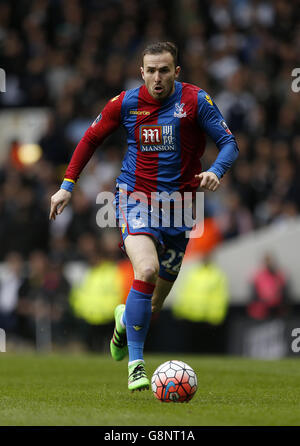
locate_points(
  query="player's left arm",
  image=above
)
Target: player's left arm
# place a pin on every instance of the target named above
(214, 124)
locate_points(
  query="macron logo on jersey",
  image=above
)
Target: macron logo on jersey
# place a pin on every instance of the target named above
(157, 138)
(139, 112)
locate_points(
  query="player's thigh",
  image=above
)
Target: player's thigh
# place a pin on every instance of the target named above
(141, 250)
(161, 292)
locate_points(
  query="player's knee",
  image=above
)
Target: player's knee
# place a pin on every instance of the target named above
(147, 273)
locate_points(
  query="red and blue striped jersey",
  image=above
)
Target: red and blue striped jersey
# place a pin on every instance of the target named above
(165, 139)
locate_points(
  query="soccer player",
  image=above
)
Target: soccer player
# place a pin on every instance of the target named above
(165, 121)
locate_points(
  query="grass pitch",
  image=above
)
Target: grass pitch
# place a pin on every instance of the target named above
(68, 390)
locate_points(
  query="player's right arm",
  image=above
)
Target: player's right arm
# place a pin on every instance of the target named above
(107, 121)
(213, 123)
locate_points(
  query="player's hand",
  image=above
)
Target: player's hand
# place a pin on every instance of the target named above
(208, 180)
(58, 202)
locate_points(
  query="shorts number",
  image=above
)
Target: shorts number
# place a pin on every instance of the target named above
(168, 262)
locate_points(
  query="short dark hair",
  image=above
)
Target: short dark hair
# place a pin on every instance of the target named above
(162, 47)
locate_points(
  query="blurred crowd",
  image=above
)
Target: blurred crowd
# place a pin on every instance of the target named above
(71, 56)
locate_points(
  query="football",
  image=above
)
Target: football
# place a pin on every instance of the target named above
(174, 381)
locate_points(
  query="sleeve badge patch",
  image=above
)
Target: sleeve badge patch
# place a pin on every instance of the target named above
(225, 127)
(99, 117)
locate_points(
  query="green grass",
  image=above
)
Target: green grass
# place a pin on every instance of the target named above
(92, 390)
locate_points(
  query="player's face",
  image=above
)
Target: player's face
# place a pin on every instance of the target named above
(159, 73)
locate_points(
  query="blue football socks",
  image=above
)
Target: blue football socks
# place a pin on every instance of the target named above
(137, 316)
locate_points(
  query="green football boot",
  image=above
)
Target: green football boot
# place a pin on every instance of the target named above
(137, 378)
(118, 343)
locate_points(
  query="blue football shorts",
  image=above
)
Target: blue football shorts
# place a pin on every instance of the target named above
(171, 239)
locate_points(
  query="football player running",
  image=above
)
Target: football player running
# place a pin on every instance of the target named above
(166, 122)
